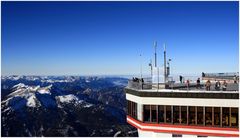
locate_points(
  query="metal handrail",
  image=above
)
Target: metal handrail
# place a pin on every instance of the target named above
(221, 74)
(149, 85)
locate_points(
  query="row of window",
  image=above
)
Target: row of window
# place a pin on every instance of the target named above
(180, 135)
(191, 115)
(132, 109)
(187, 115)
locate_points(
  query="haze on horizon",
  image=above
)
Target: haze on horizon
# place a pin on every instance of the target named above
(106, 38)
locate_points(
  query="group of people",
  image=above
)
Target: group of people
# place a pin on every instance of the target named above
(135, 79)
(198, 85)
(208, 84)
(218, 85)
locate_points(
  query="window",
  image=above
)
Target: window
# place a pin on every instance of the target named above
(192, 116)
(217, 116)
(146, 113)
(132, 109)
(208, 116)
(234, 117)
(184, 115)
(168, 114)
(154, 113)
(225, 116)
(200, 115)
(161, 113)
(176, 135)
(127, 107)
(176, 116)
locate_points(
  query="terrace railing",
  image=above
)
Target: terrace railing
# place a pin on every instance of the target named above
(147, 84)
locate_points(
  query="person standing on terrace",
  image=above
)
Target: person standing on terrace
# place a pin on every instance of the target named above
(208, 85)
(198, 83)
(188, 84)
(224, 87)
(180, 78)
(217, 85)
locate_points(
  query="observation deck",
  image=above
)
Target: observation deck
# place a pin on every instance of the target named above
(178, 109)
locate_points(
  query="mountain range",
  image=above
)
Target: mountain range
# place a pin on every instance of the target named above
(64, 106)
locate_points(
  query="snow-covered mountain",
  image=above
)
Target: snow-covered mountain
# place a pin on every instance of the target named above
(63, 106)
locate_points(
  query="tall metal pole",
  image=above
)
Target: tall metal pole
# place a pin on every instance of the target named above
(155, 47)
(141, 65)
(151, 67)
(165, 69)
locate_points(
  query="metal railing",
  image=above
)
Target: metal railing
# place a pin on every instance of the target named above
(147, 85)
(235, 74)
(139, 85)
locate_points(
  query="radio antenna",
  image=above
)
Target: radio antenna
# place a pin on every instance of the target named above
(155, 54)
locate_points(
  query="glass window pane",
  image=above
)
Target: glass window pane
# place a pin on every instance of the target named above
(184, 115)
(176, 118)
(234, 117)
(127, 107)
(217, 116)
(225, 116)
(208, 116)
(130, 108)
(200, 115)
(176, 135)
(168, 114)
(146, 113)
(192, 114)
(161, 113)
(154, 113)
(134, 110)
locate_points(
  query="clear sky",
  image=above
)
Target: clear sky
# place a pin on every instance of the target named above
(106, 38)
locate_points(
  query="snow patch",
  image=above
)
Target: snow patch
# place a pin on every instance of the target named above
(87, 105)
(19, 85)
(44, 91)
(34, 88)
(67, 98)
(31, 101)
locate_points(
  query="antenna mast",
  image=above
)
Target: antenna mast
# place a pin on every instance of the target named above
(165, 69)
(141, 65)
(155, 47)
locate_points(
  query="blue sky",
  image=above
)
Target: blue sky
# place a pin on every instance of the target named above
(106, 38)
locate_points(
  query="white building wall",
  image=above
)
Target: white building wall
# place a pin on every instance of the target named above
(139, 111)
(148, 134)
(189, 136)
(214, 137)
(184, 101)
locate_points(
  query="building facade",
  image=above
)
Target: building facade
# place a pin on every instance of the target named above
(183, 113)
